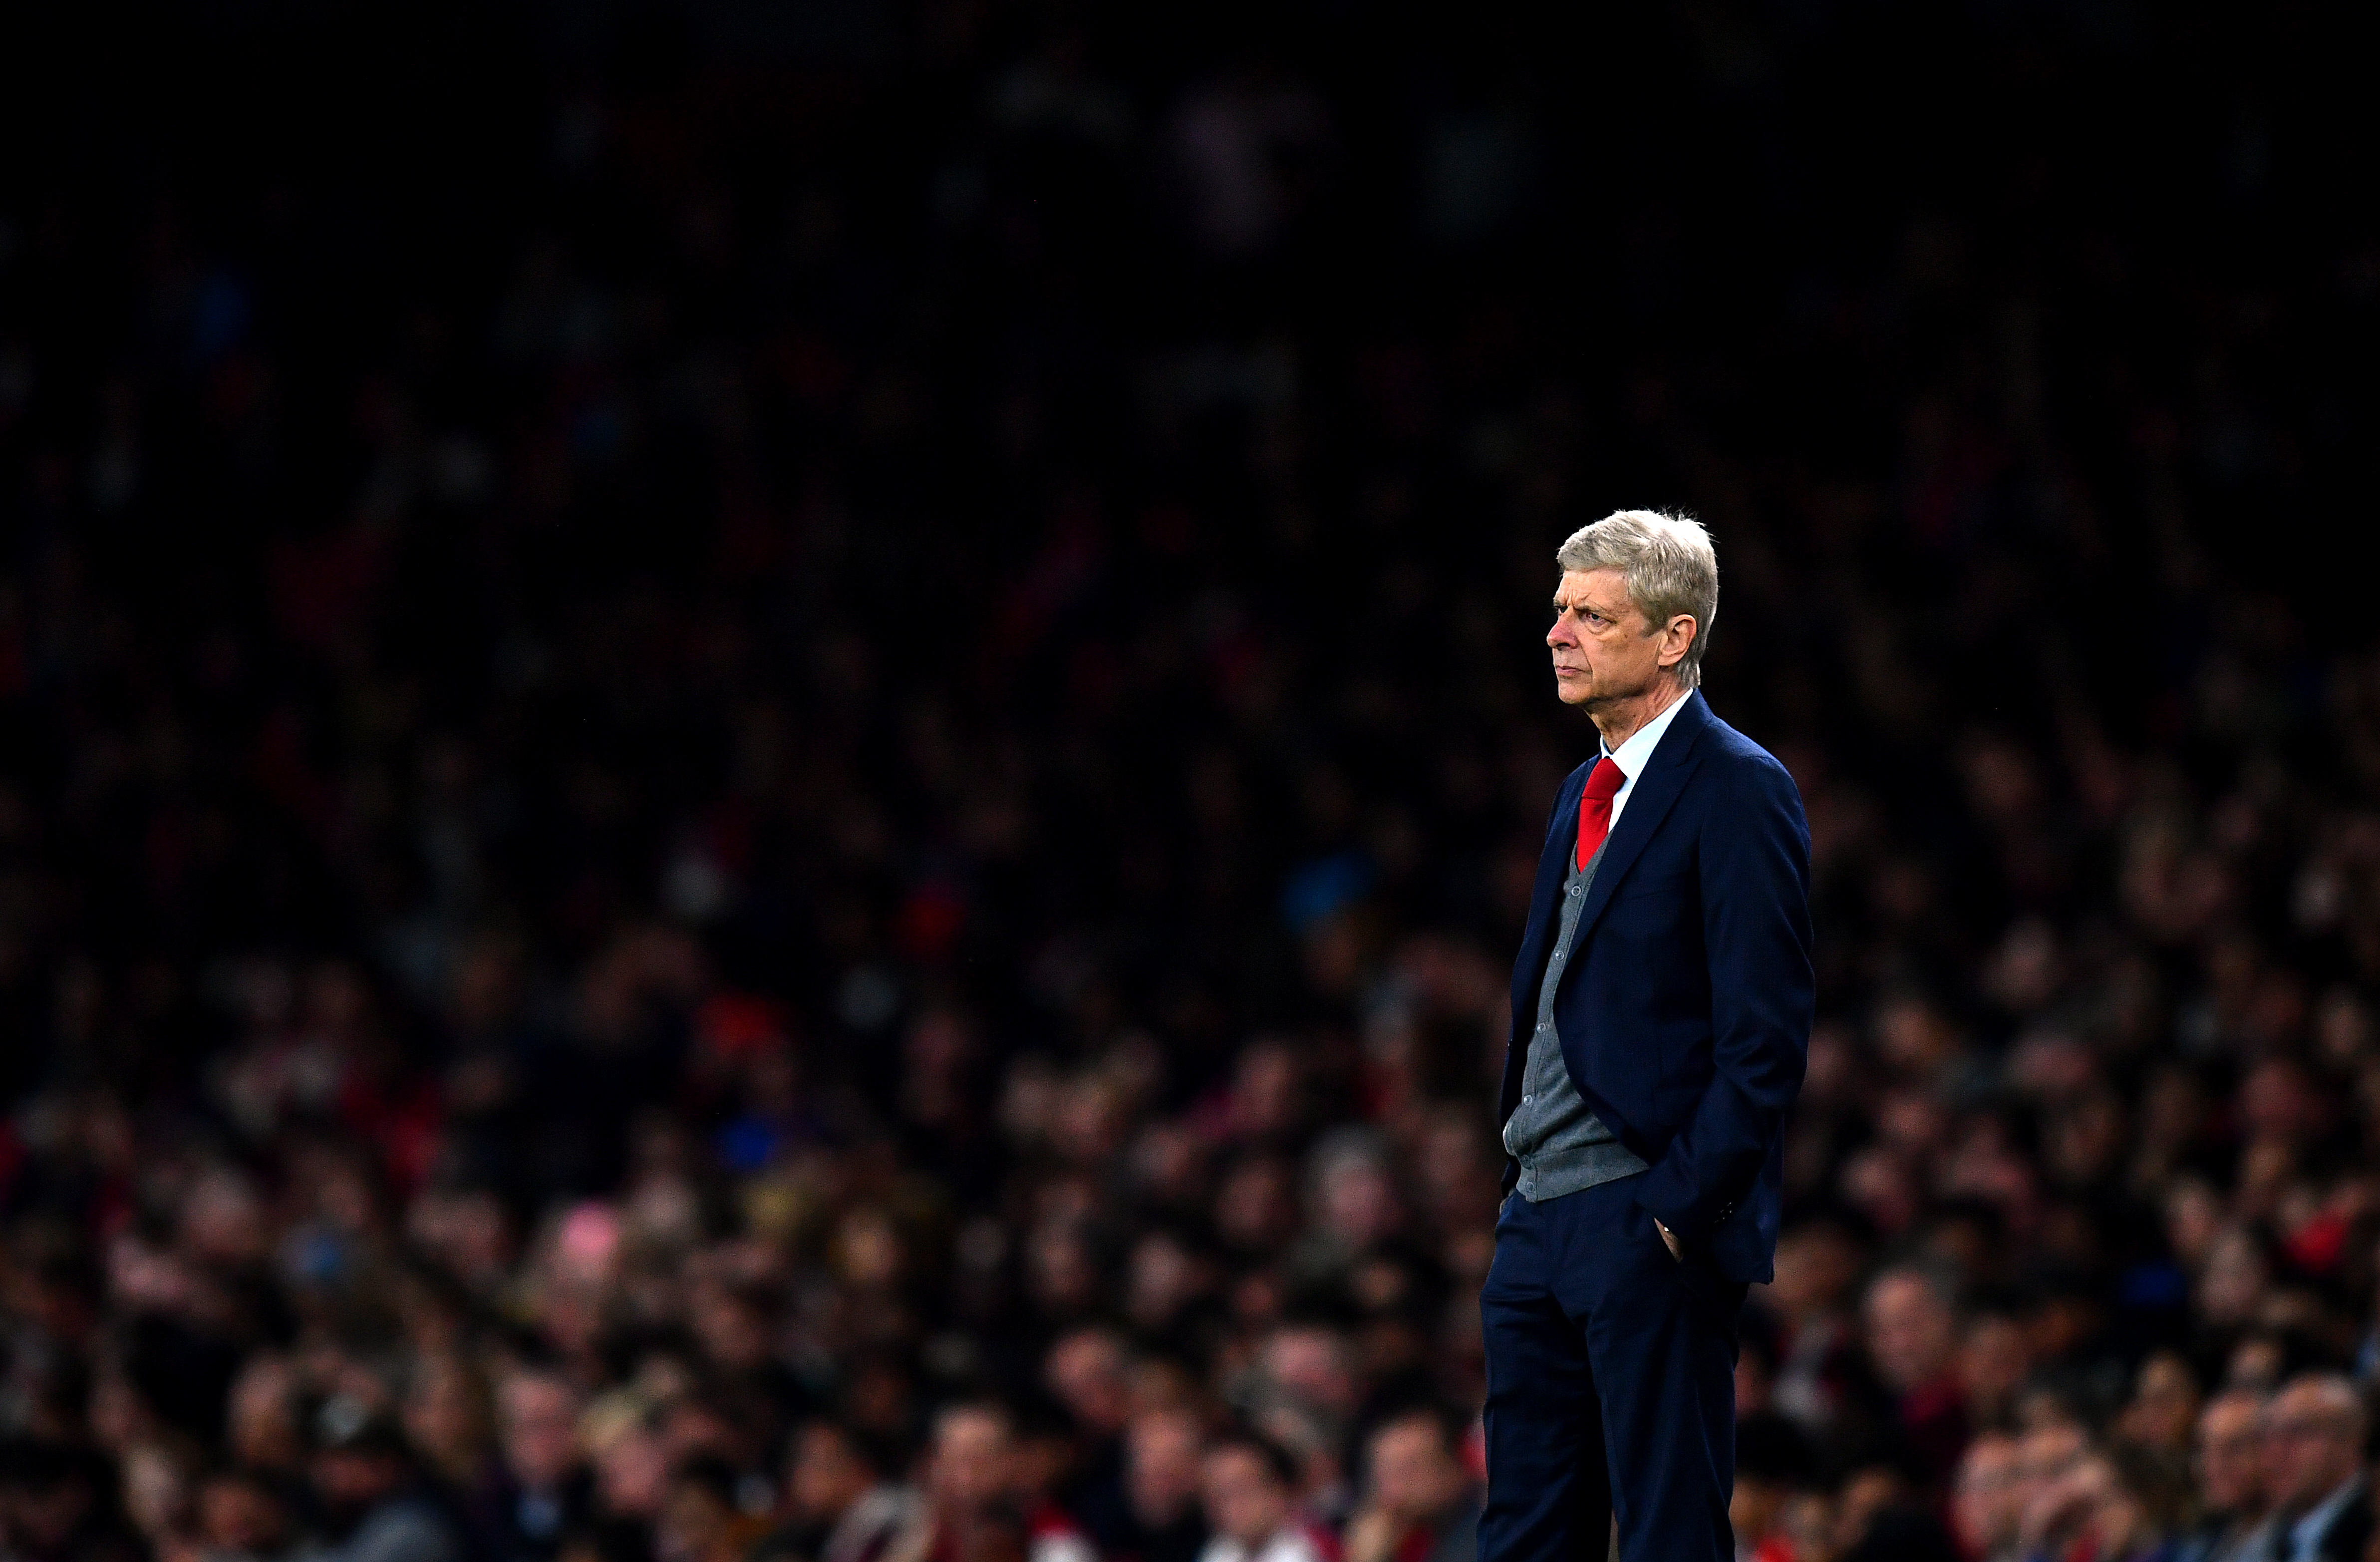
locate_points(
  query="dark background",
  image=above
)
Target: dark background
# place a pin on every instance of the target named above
(754, 618)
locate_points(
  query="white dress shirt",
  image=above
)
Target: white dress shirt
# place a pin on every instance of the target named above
(1632, 756)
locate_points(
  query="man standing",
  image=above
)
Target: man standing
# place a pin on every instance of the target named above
(1661, 1011)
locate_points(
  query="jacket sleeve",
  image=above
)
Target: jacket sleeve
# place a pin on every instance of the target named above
(1755, 878)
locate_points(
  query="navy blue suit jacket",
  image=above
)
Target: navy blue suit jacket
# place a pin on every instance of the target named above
(1685, 1011)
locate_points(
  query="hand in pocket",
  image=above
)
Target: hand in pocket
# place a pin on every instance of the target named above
(1669, 1239)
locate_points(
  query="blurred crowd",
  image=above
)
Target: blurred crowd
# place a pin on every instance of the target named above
(766, 774)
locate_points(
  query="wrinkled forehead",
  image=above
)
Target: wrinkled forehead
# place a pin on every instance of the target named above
(1605, 588)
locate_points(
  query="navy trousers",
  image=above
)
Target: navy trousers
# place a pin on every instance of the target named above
(1610, 1387)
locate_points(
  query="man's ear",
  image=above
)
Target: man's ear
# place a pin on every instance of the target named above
(1675, 645)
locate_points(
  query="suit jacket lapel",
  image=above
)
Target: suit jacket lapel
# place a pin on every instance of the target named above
(1648, 802)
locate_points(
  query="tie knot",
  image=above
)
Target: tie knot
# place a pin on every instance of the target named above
(1604, 781)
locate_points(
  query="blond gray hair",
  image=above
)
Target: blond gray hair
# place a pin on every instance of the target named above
(1668, 566)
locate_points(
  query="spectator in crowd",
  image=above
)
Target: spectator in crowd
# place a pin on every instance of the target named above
(2044, 1456)
(2089, 1511)
(1995, 1361)
(1161, 1518)
(240, 1516)
(1086, 1371)
(1986, 1510)
(2230, 1482)
(1249, 1484)
(545, 1492)
(979, 1508)
(1420, 1505)
(1912, 1337)
(2314, 1470)
(838, 1506)
(375, 1504)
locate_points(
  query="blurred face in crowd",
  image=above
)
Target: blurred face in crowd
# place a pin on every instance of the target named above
(1816, 1266)
(1993, 1360)
(1753, 1508)
(1253, 1212)
(828, 1474)
(238, 1516)
(261, 1417)
(2164, 1405)
(1414, 1473)
(1311, 1365)
(540, 1430)
(1866, 1494)
(629, 1473)
(733, 1328)
(2043, 1456)
(1984, 1506)
(970, 1469)
(2230, 1449)
(1604, 651)
(1244, 1500)
(1910, 1330)
(1087, 1372)
(1162, 1467)
(2092, 1502)
(1357, 1203)
(2314, 1441)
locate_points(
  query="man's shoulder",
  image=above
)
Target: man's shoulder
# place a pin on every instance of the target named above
(1732, 759)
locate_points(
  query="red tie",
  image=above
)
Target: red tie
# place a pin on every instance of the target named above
(1603, 783)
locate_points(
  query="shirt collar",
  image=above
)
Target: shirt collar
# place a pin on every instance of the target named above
(1631, 757)
(2308, 1530)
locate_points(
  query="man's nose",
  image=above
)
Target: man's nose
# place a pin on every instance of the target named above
(1560, 635)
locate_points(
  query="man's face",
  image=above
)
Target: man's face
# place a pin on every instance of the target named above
(1162, 1474)
(1909, 1331)
(1087, 1372)
(2043, 1457)
(828, 1477)
(1412, 1474)
(1601, 651)
(1984, 1503)
(541, 1431)
(1752, 1509)
(2309, 1444)
(1244, 1501)
(2230, 1475)
(971, 1463)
